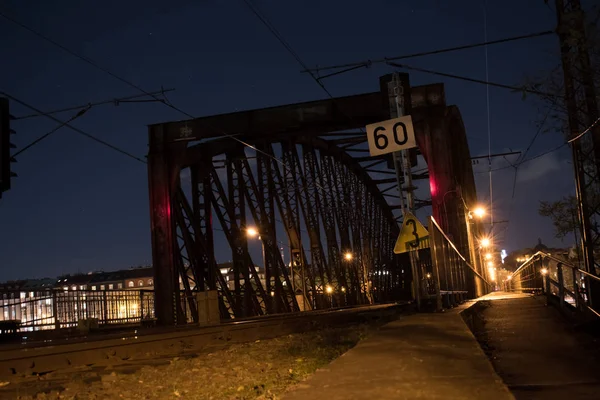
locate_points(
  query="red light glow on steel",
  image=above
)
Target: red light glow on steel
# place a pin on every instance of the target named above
(432, 187)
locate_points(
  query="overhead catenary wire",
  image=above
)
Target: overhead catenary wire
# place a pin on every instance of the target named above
(68, 125)
(116, 101)
(488, 114)
(468, 79)
(133, 85)
(285, 44)
(384, 60)
(516, 165)
(552, 150)
(46, 135)
(125, 81)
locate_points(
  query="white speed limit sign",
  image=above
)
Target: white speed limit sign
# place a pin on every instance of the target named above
(391, 135)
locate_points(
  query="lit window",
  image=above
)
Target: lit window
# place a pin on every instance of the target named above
(130, 284)
(140, 283)
(119, 285)
(82, 287)
(74, 287)
(110, 286)
(31, 294)
(101, 287)
(94, 287)
(150, 283)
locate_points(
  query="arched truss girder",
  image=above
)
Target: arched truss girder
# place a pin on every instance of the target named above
(328, 206)
(183, 223)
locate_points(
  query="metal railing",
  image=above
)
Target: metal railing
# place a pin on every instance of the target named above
(453, 277)
(558, 279)
(57, 309)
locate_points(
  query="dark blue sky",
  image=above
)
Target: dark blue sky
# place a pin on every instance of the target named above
(78, 206)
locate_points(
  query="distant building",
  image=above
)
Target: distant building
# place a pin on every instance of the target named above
(518, 257)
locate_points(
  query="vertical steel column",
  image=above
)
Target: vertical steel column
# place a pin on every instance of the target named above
(162, 172)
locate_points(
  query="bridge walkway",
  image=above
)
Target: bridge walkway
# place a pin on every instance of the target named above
(436, 356)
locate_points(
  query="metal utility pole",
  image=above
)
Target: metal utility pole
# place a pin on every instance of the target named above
(399, 94)
(401, 158)
(582, 110)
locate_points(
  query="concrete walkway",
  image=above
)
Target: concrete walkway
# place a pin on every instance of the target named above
(424, 356)
(537, 354)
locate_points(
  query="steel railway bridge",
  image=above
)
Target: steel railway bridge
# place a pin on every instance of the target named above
(302, 174)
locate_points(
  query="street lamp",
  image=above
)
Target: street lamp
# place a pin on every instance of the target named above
(485, 242)
(488, 256)
(348, 256)
(251, 232)
(479, 212)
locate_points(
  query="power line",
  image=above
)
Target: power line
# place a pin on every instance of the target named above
(285, 44)
(384, 60)
(36, 141)
(474, 80)
(294, 54)
(527, 160)
(489, 127)
(79, 131)
(115, 101)
(167, 103)
(95, 65)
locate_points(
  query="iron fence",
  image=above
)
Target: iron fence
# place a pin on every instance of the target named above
(560, 280)
(56, 309)
(452, 277)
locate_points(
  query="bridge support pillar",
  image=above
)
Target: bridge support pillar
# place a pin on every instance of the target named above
(162, 180)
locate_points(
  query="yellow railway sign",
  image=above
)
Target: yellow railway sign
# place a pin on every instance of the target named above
(413, 235)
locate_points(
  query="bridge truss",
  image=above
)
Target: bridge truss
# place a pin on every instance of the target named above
(299, 175)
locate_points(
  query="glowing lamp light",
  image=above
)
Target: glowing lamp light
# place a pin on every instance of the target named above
(485, 242)
(544, 271)
(329, 289)
(348, 256)
(479, 212)
(251, 232)
(488, 256)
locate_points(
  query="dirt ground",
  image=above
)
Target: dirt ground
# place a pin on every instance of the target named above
(258, 370)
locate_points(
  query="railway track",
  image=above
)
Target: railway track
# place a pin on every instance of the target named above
(136, 345)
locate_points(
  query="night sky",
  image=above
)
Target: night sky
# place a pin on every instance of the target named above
(78, 206)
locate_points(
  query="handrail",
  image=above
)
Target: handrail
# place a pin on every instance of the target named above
(456, 250)
(558, 260)
(561, 285)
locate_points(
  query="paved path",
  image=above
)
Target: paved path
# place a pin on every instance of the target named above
(537, 354)
(424, 356)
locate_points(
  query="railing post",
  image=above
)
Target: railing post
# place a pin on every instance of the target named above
(55, 309)
(416, 280)
(433, 246)
(561, 285)
(141, 305)
(575, 288)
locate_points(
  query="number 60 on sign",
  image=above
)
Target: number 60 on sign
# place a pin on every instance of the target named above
(391, 135)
